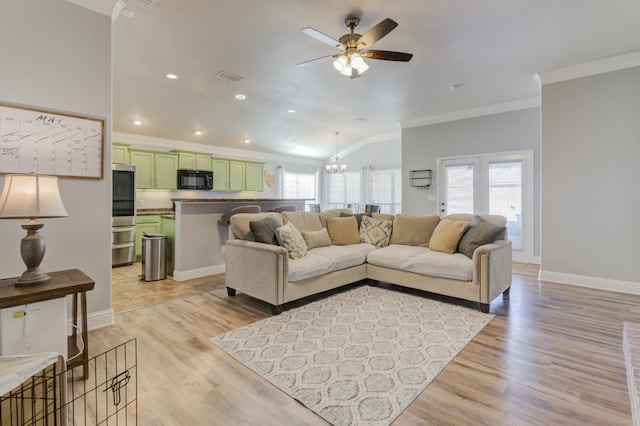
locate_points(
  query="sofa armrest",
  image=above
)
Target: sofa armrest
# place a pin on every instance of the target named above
(492, 269)
(257, 269)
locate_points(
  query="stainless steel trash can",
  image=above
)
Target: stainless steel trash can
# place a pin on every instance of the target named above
(154, 255)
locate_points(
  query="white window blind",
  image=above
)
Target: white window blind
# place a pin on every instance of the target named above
(385, 190)
(299, 185)
(344, 190)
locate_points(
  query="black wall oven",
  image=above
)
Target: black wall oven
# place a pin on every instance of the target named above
(123, 215)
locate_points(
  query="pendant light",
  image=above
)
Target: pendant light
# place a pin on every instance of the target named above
(336, 167)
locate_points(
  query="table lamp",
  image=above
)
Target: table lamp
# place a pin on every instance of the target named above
(31, 196)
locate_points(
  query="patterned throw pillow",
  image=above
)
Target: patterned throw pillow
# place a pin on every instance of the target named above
(447, 235)
(316, 238)
(290, 238)
(376, 232)
(264, 230)
(358, 216)
(480, 232)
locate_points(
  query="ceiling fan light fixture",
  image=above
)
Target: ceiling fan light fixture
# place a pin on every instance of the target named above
(356, 61)
(347, 70)
(340, 63)
(362, 68)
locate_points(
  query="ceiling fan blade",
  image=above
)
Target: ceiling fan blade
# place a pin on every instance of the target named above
(387, 55)
(376, 33)
(323, 37)
(305, 63)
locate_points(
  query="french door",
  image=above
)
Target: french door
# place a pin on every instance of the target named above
(499, 183)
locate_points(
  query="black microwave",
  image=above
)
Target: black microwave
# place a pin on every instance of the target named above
(195, 179)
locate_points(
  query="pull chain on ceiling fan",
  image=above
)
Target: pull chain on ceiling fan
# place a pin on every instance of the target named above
(354, 47)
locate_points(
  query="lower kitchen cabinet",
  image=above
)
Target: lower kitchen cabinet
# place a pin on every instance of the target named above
(151, 224)
(169, 229)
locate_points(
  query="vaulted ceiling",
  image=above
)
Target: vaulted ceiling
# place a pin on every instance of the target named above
(490, 48)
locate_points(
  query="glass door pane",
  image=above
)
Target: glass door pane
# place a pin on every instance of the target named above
(459, 189)
(505, 197)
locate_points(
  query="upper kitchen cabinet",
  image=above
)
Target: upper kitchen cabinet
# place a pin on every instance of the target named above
(220, 174)
(254, 176)
(194, 160)
(166, 170)
(236, 175)
(145, 167)
(120, 153)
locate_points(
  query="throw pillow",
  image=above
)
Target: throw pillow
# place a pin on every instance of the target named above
(376, 232)
(447, 235)
(290, 238)
(480, 232)
(413, 230)
(343, 230)
(304, 221)
(358, 216)
(264, 230)
(316, 238)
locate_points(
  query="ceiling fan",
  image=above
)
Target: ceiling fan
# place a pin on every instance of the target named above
(355, 47)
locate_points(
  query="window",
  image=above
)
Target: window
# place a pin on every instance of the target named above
(299, 185)
(344, 190)
(385, 190)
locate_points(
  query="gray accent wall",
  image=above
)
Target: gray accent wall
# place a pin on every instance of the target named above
(503, 132)
(590, 177)
(57, 55)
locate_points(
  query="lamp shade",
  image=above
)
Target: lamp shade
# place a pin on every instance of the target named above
(31, 196)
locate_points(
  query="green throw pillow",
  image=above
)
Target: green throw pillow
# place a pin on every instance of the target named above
(264, 230)
(479, 233)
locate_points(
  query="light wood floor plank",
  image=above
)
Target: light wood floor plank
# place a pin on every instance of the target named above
(552, 356)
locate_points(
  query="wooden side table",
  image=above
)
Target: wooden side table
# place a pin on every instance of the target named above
(70, 282)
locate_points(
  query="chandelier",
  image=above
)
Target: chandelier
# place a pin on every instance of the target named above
(336, 167)
(351, 63)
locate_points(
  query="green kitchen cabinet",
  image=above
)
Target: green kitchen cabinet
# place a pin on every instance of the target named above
(166, 170)
(145, 167)
(194, 160)
(236, 175)
(254, 176)
(120, 153)
(147, 223)
(220, 174)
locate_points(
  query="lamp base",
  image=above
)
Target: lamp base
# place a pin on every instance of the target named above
(32, 248)
(32, 276)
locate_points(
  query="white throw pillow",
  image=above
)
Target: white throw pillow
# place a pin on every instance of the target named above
(376, 232)
(290, 238)
(316, 238)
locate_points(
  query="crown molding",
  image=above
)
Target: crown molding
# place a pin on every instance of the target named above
(600, 66)
(150, 142)
(474, 112)
(394, 136)
(104, 7)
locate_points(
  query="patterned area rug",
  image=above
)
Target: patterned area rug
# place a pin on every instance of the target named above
(358, 357)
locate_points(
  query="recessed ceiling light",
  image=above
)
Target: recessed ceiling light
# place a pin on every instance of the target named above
(197, 132)
(171, 76)
(246, 140)
(137, 122)
(128, 13)
(291, 111)
(240, 96)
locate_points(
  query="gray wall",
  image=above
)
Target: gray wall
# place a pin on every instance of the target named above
(509, 131)
(376, 154)
(590, 176)
(57, 56)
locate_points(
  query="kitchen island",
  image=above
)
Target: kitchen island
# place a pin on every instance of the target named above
(200, 237)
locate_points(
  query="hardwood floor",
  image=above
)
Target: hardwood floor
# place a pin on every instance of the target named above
(551, 356)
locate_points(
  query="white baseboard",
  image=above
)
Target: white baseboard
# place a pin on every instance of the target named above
(591, 282)
(535, 260)
(198, 273)
(95, 320)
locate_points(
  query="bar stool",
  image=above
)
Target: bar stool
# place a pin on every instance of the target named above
(284, 208)
(224, 220)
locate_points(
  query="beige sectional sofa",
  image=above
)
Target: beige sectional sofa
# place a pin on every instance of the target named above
(266, 271)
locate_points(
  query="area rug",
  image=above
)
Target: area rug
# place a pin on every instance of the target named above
(359, 357)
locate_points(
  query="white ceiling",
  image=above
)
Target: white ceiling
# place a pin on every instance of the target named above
(493, 46)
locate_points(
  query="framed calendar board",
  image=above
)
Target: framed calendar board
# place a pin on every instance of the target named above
(48, 143)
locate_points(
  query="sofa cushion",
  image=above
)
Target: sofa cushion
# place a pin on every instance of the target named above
(376, 232)
(343, 257)
(413, 230)
(290, 238)
(382, 216)
(358, 216)
(331, 213)
(264, 230)
(239, 223)
(447, 235)
(423, 261)
(479, 233)
(316, 238)
(304, 221)
(496, 219)
(343, 230)
(309, 266)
